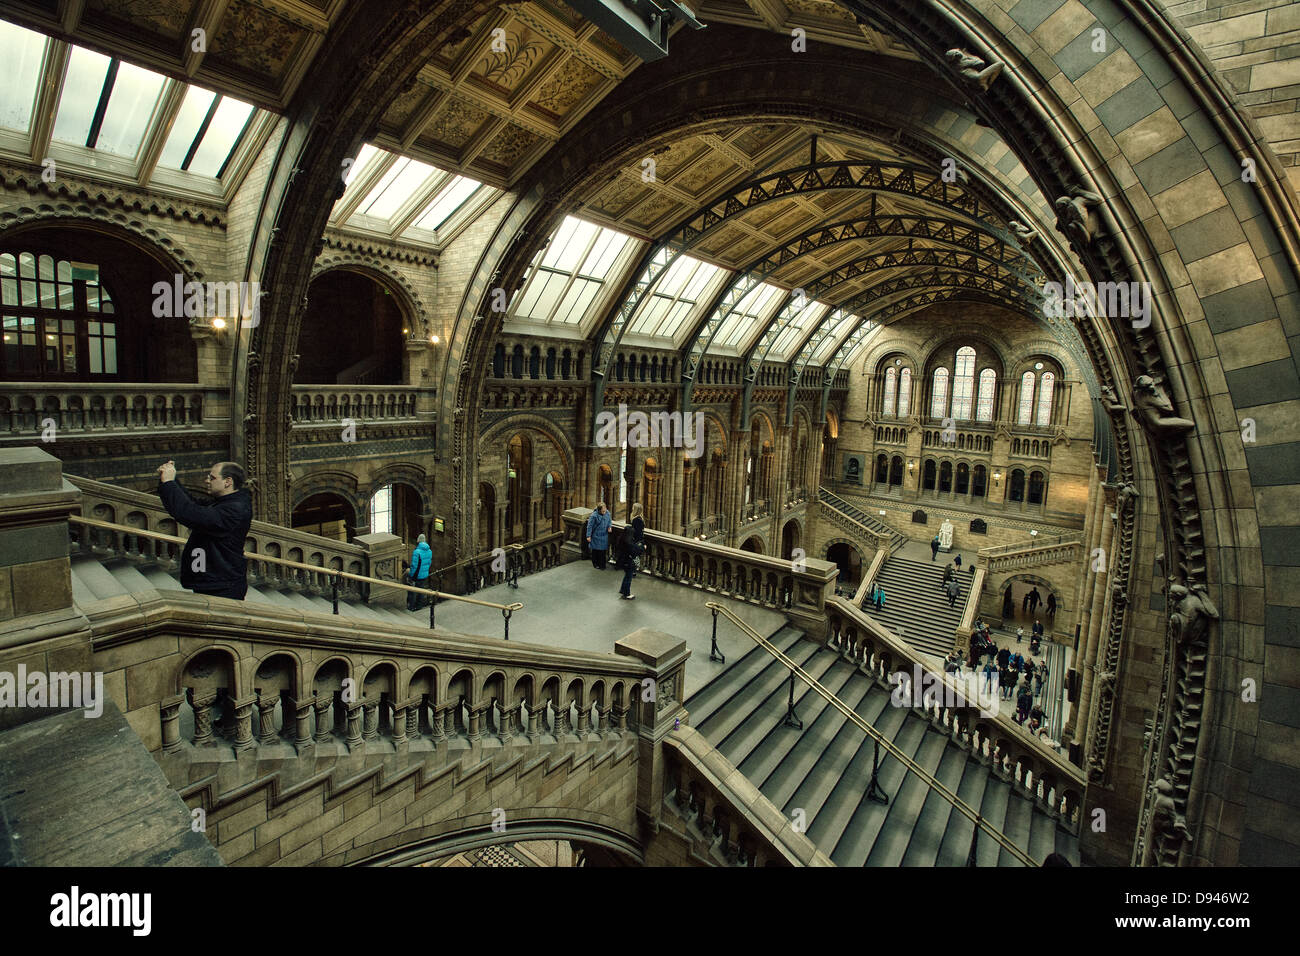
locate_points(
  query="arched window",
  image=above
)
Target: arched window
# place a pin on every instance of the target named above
(1026, 399)
(1017, 485)
(927, 475)
(1045, 389)
(891, 385)
(1037, 485)
(979, 483)
(984, 406)
(963, 478)
(68, 325)
(896, 471)
(882, 469)
(904, 392)
(939, 398)
(963, 384)
(381, 511)
(945, 477)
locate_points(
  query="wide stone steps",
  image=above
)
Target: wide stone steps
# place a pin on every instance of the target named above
(915, 603)
(824, 769)
(896, 538)
(95, 579)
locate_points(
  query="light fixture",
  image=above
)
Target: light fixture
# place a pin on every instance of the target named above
(218, 324)
(1038, 366)
(911, 465)
(433, 340)
(406, 331)
(997, 476)
(1033, 533)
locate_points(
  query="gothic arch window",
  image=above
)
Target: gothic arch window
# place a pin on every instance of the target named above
(945, 477)
(963, 478)
(927, 475)
(1037, 487)
(891, 390)
(984, 404)
(939, 395)
(979, 482)
(1045, 389)
(963, 384)
(882, 469)
(381, 511)
(896, 471)
(1018, 485)
(1026, 399)
(904, 392)
(622, 475)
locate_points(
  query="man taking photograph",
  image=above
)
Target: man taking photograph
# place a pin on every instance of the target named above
(213, 560)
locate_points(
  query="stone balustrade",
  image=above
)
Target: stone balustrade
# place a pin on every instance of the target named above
(1013, 557)
(135, 509)
(727, 825)
(956, 709)
(729, 572)
(89, 407)
(312, 404)
(871, 538)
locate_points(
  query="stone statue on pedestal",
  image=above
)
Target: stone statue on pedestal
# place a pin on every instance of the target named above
(945, 535)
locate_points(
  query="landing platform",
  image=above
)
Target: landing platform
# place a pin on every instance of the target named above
(577, 606)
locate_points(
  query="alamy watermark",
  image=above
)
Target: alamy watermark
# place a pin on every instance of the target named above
(57, 689)
(208, 300)
(653, 430)
(1115, 300)
(926, 689)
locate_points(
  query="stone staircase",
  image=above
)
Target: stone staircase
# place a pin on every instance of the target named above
(915, 604)
(896, 538)
(95, 578)
(824, 769)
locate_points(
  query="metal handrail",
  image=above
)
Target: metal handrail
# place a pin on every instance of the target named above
(337, 574)
(960, 805)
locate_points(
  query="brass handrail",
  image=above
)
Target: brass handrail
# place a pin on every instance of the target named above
(253, 555)
(960, 805)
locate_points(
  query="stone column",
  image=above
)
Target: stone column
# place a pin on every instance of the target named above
(202, 706)
(370, 720)
(665, 657)
(400, 740)
(171, 724)
(302, 741)
(324, 717)
(354, 740)
(244, 723)
(266, 718)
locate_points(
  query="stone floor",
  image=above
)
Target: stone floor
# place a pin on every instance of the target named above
(579, 607)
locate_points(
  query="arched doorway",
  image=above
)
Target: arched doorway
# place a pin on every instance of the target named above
(518, 477)
(790, 537)
(328, 515)
(353, 332)
(753, 544)
(396, 509)
(849, 561)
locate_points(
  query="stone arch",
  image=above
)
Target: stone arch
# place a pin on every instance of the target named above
(339, 483)
(407, 473)
(501, 431)
(394, 281)
(147, 239)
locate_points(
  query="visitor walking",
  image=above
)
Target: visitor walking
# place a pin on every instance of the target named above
(954, 591)
(213, 561)
(947, 576)
(879, 598)
(631, 545)
(1051, 605)
(989, 671)
(598, 536)
(957, 561)
(421, 562)
(1040, 678)
(934, 547)
(1008, 605)
(1020, 635)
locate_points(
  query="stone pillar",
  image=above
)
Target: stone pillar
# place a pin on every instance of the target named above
(244, 723)
(202, 706)
(171, 724)
(665, 656)
(354, 740)
(324, 717)
(370, 720)
(266, 718)
(384, 555)
(302, 741)
(35, 570)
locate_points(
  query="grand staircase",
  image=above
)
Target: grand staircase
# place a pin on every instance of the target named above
(915, 607)
(95, 578)
(896, 538)
(824, 769)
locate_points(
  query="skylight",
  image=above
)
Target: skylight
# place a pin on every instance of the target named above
(22, 52)
(833, 339)
(675, 298)
(570, 274)
(749, 315)
(450, 198)
(796, 331)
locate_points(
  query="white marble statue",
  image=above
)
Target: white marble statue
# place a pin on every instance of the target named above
(945, 535)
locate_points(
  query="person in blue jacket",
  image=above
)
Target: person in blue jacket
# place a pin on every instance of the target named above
(598, 536)
(421, 564)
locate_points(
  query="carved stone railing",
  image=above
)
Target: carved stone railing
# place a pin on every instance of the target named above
(78, 408)
(729, 572)
(860, 518)
(313, 404)
(726, 823)
(1028, 764)
(144, 511)
(1014, 557)
(873, 540)
(967, 622)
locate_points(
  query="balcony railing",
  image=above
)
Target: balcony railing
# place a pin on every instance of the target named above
(91, 407)
(333, 403)
(1011, 557)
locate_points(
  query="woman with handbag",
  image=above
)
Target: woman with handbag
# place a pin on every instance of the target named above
(631, 546)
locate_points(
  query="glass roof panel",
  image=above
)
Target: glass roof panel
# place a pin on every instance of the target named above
(796, 330)
(24, 51)
(134, 97)
(833, 340)
(566, 282)
(407, 177)
(450, 198)
(193, 109)
(565, 254)
(222, 137)
(81, 91)
(751, 312)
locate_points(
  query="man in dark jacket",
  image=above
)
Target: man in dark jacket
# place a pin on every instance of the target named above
(213, 560)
